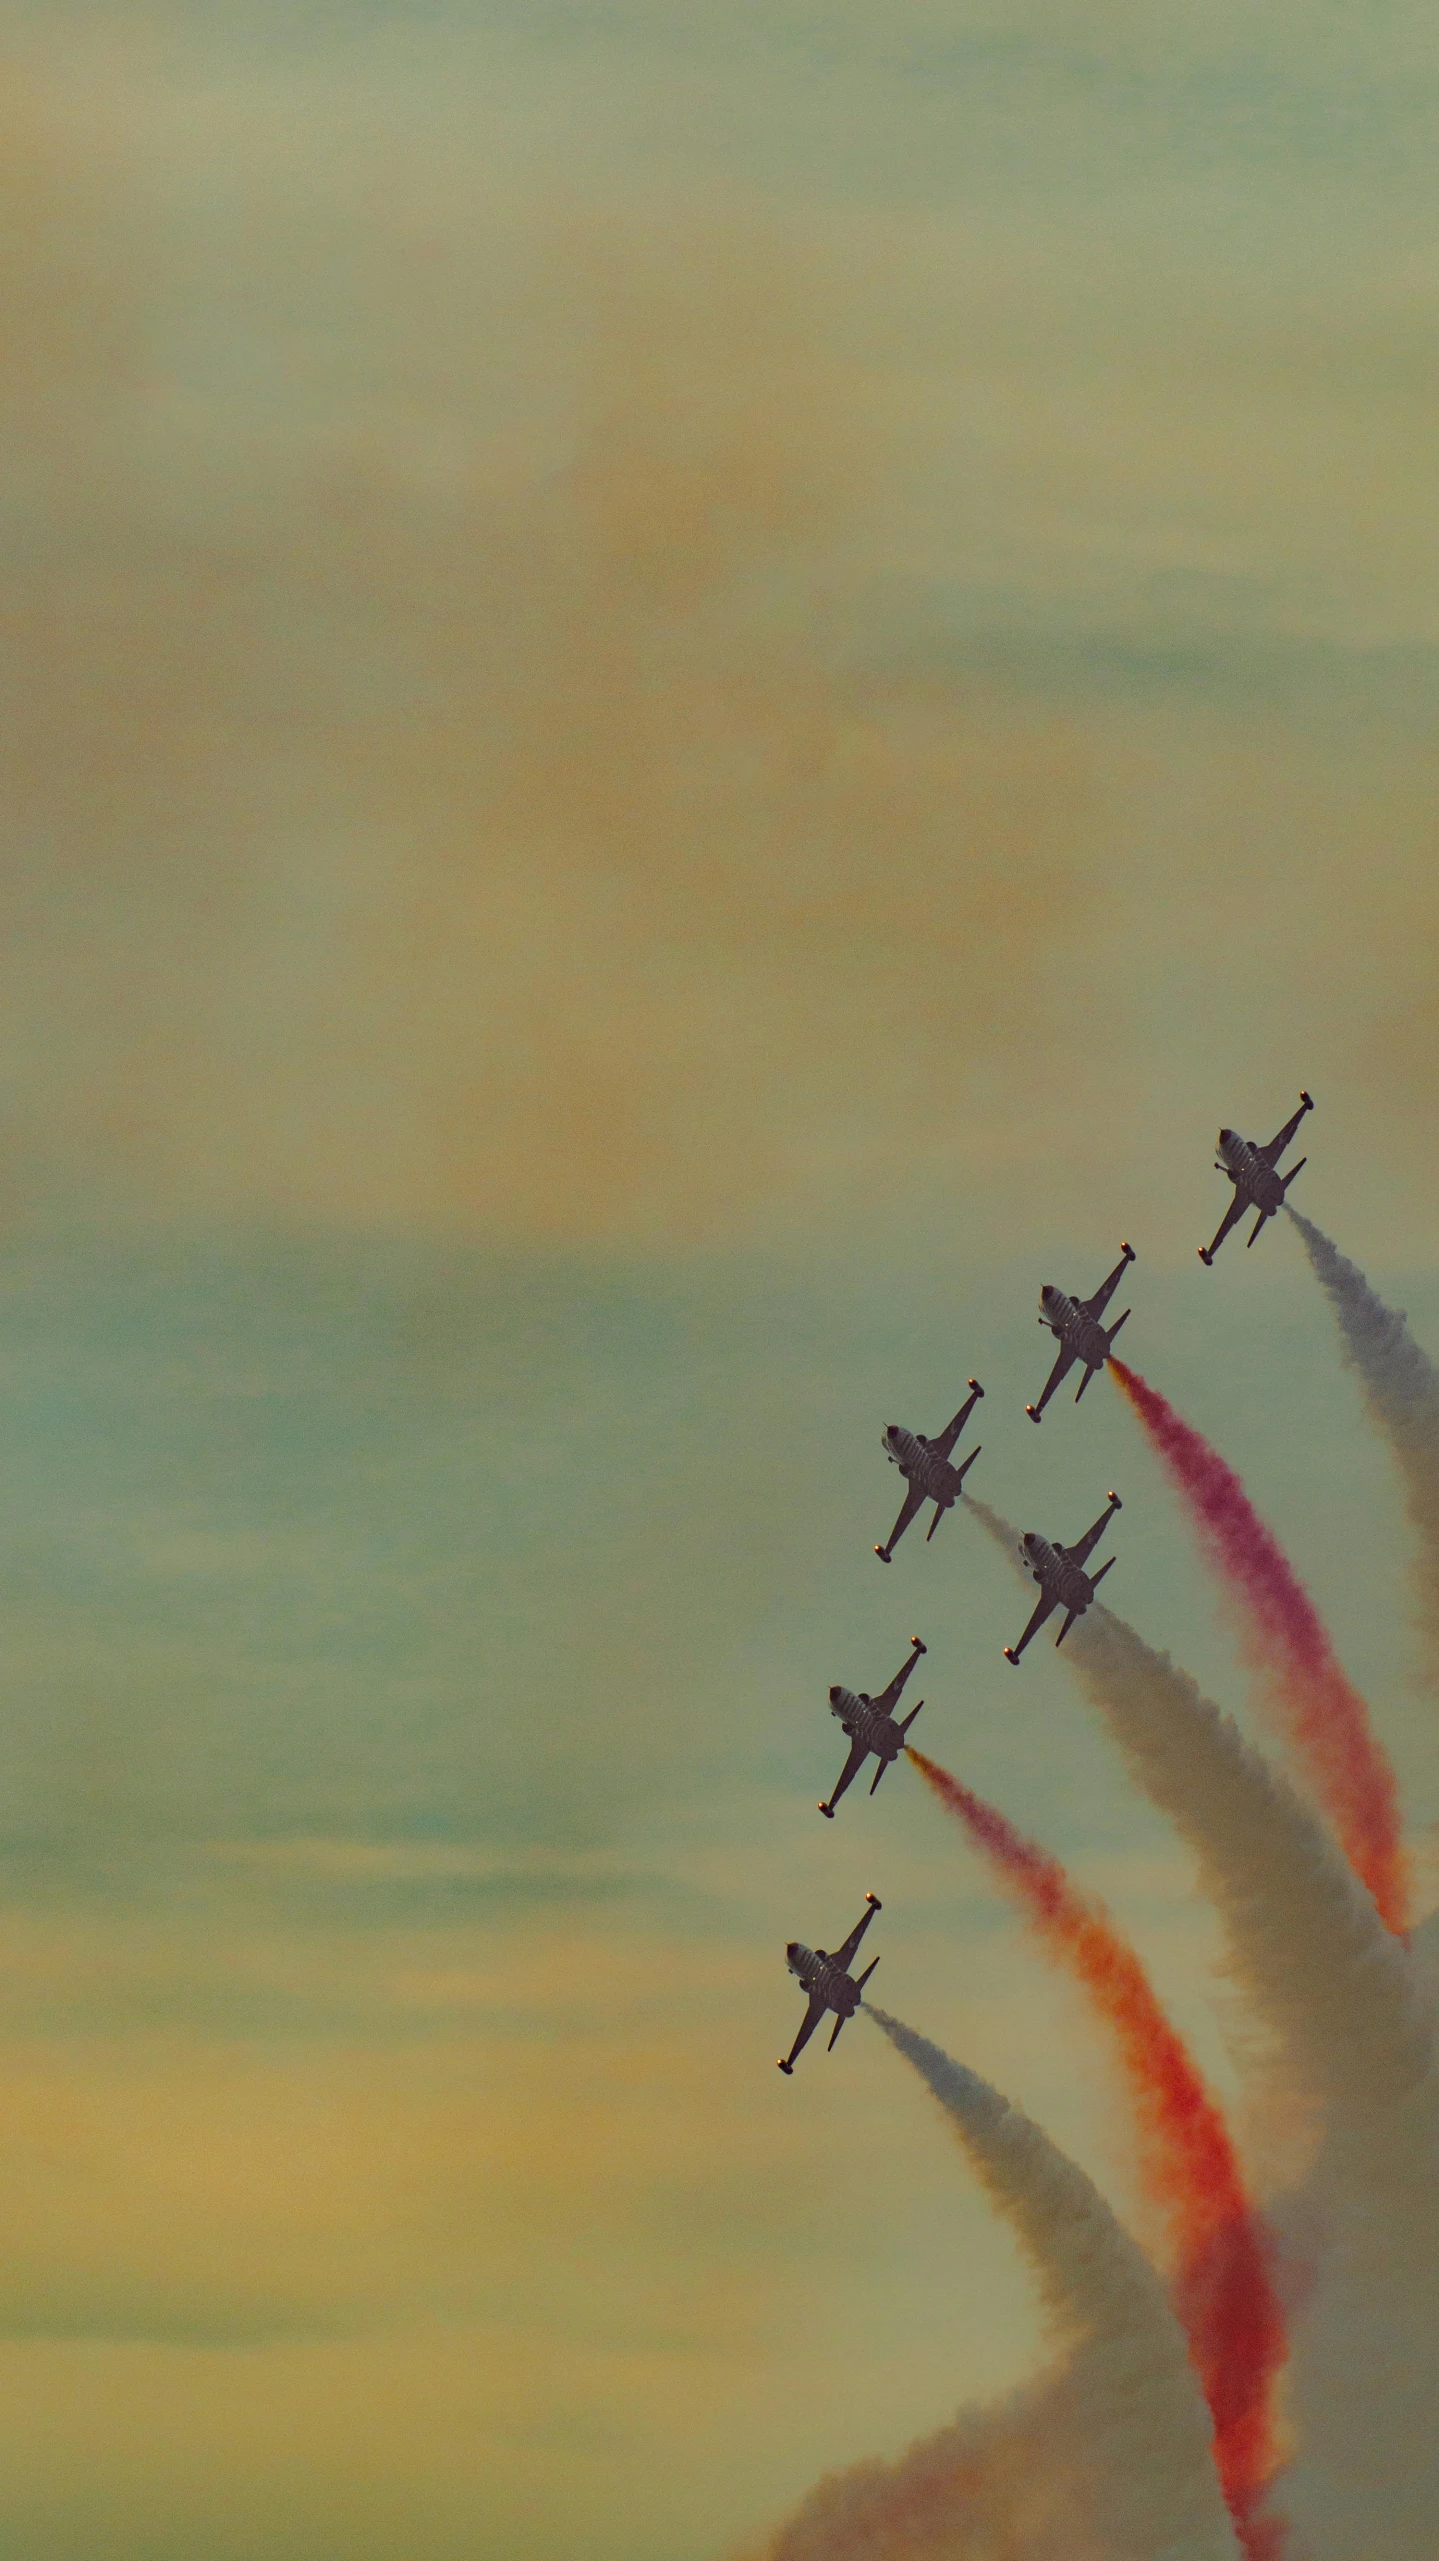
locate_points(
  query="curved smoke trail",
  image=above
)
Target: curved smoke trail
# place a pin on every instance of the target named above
(1224, 2292)
(1152, 2429)
(1322, 1714)
(1401, 1386)
(1337, 1995)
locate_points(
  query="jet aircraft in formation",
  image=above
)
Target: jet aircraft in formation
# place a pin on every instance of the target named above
(1060, 1574)
(925, 1467)
(828, 1982)
(1254, 1172)
(1075, 1325)
(871, 1726)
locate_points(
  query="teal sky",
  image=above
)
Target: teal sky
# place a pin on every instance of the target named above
(691, 691)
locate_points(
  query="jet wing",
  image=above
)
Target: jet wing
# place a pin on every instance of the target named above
(1084, 1548)
(1061, 1369)
(845, 1956)
(807, 2026)
(1275, 1149)
(1233, 1214)
(858, 1755)
(1042, 1607)
(944, 1441)
(913, 1498)
(889, 1699)
(1096, 1305)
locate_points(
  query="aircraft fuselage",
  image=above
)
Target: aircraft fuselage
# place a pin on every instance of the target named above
(1055, 1571)
(920, 1463)
(1081, 1334)
(1257, 1182)
(865, 1723)
(818, 1973)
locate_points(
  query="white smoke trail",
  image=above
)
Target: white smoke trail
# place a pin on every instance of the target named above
(1150, 2427)
(1016, 2481)
(1401, 1386)
(1349, 2033)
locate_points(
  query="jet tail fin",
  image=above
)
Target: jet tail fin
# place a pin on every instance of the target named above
(1259, 1222)
(1114, 1328)
(1295, 1169)
(934, 1524)
(879, 1773)
(905, 1722)
(839, 2022)
(1084, 1382)
(962, 1472)
(1064, 1631)
(860, 1980)
(1097, 1579)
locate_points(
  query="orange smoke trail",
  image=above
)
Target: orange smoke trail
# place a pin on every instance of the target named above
(1225, 2293)
(1322, 1712)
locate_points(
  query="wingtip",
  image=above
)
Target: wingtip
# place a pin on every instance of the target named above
(1010, 1655)
(782, 2066)
(1113, 1499)
(827, 1811)
(875, 1901)
(1033, 1412)
(883, 1554)
(1306, 1098)
(919, 1644)
(1127, 1250)
(1205, 1256)
(978, 1390)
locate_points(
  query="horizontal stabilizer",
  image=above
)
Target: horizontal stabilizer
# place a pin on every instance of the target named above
(1114, 1328)
(1097, 1579)
(1068, 1624)
(879, 1773)
(1295, 1169)
(939, 1510)
(962, 1472)
(1084, 1382)
(1259, 1222)
(839, 2022)
(907, 1721)
(860, 1980)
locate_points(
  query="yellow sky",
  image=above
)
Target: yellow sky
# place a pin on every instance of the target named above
(632, 637)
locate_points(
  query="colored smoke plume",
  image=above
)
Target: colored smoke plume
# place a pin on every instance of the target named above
(1335, 1992)
(1321, 1713)
(1152, 2435)
(1224, 2289)
(1401, 1386)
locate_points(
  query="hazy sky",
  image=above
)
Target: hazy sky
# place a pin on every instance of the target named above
(688, 691)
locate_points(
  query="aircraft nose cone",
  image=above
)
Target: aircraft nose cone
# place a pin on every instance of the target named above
(1225, 1136)
(834, 1695)
(791, 1950)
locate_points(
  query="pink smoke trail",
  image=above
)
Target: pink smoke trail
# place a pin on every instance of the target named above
(1326, 1720)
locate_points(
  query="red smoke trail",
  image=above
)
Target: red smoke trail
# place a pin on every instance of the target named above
(1323, 1713)
(1224, 2292)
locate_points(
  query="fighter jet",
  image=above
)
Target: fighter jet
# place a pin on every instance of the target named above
(828, 1981)
(871, 1726)
(925, 1467)
(1254, 1172)
(1075, 1325)
(1063, 1582)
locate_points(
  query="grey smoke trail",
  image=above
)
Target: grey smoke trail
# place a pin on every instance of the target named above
(1014, 2481)
(1337, 1994)
(1151, 2432)
(1347, 2030)
(1401, 1386)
